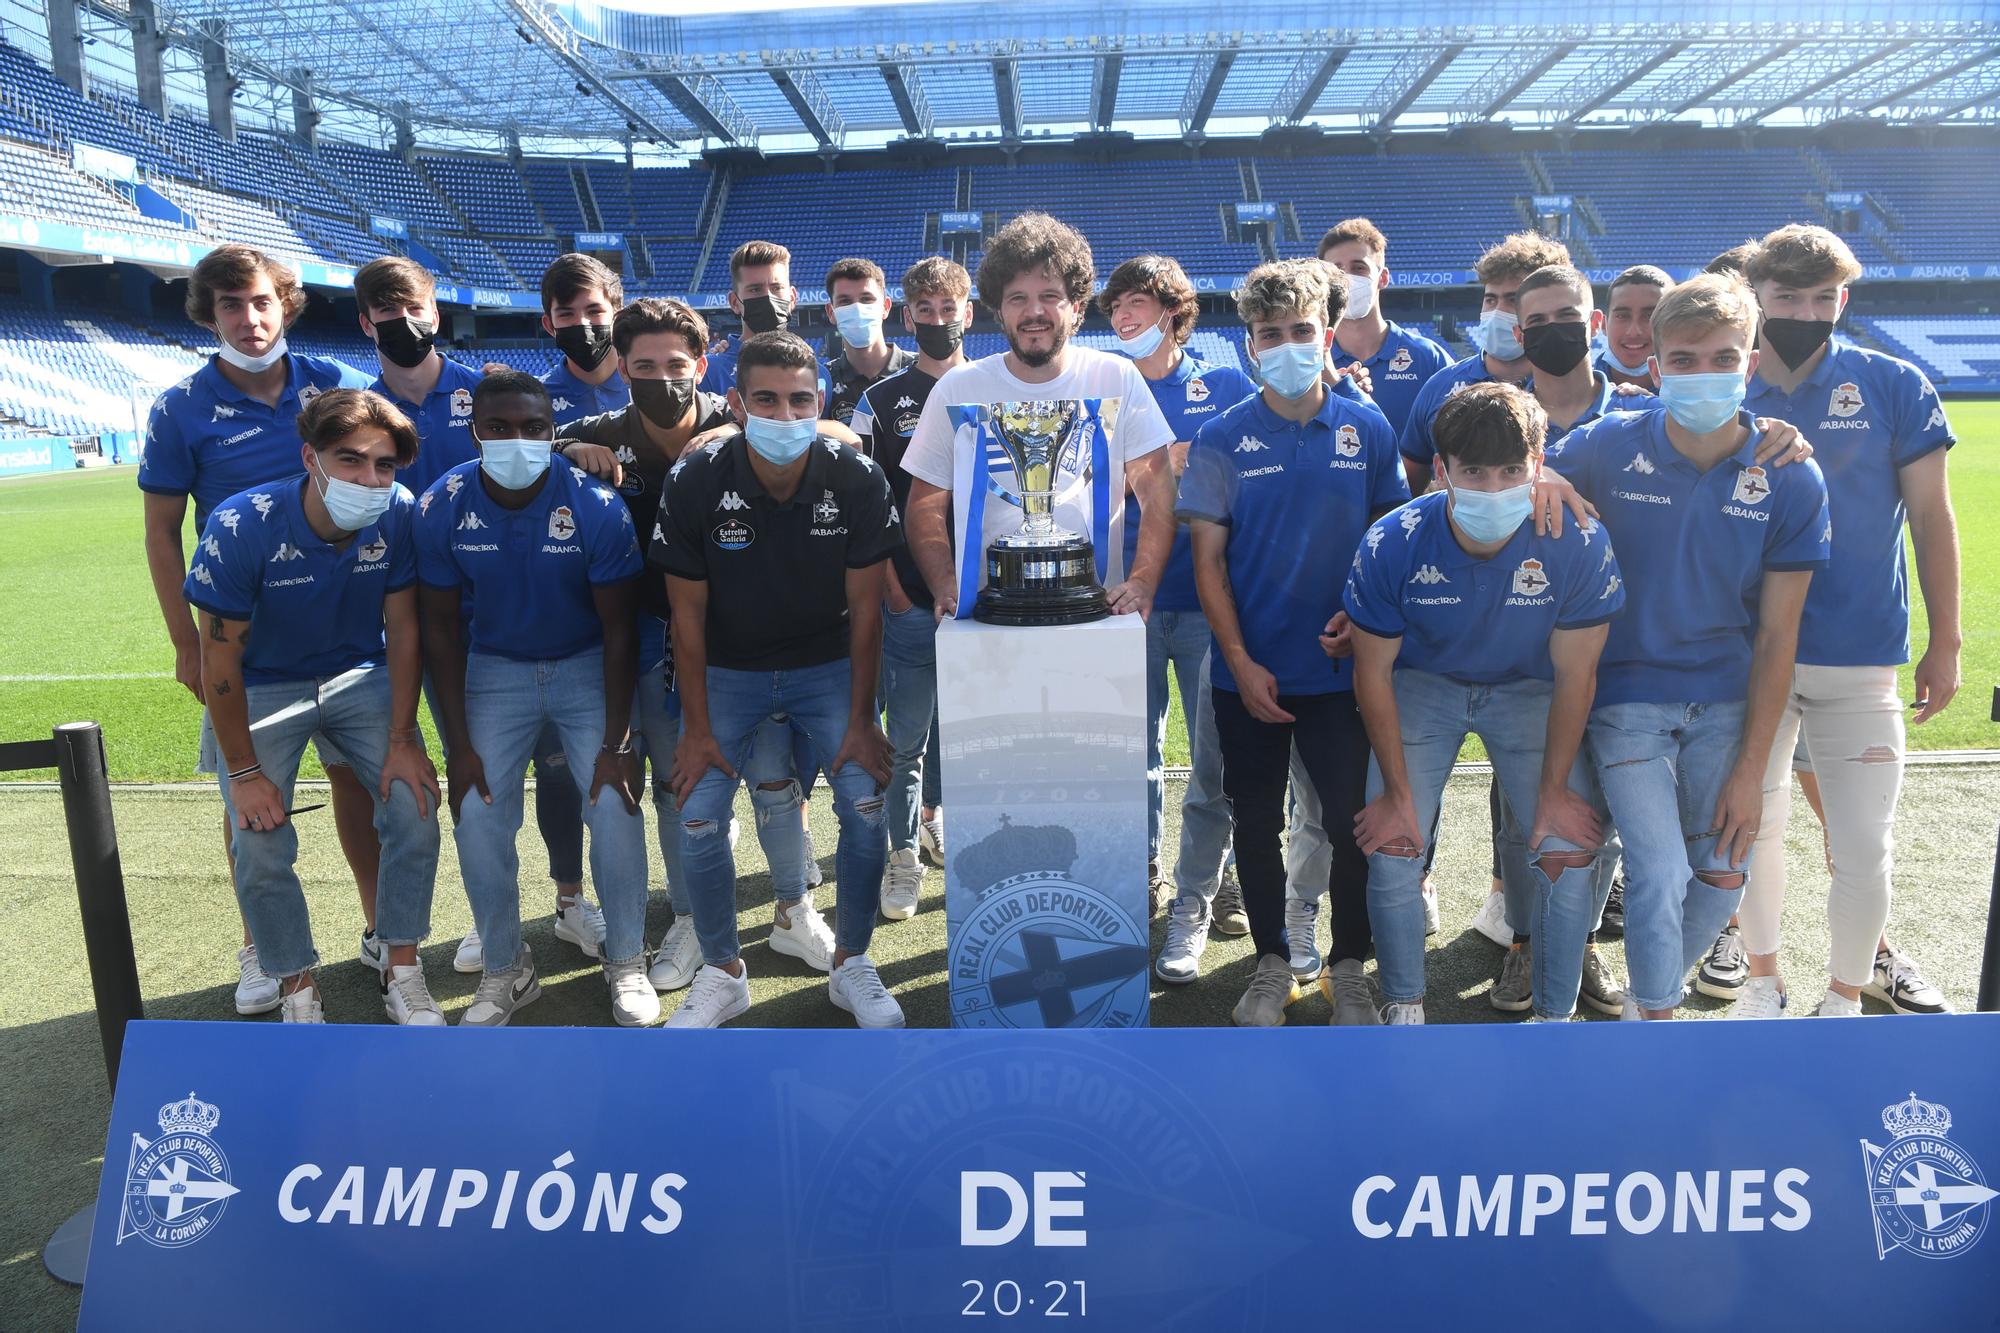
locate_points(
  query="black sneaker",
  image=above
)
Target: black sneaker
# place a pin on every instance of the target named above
(1612, 925)
(1725, 969)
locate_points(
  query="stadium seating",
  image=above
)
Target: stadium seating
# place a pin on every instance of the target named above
(1959, 352)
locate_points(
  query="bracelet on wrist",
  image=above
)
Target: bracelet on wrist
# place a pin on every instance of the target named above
(237, 775)
(622, 749)
(409, 735)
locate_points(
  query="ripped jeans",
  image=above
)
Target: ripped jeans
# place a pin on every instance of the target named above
(815, 703)
(1663, 768)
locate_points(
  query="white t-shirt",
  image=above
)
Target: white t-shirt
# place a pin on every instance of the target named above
(1138, 429)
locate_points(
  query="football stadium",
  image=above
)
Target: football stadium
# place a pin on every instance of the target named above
(1411, 500)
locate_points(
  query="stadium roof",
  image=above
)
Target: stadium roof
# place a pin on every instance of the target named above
(677, 76)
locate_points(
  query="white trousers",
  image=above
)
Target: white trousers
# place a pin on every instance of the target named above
(1852, 720)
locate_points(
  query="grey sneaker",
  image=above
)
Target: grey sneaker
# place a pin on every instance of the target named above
(1187, 935)
(1301, 924)
(1271, 988)
(1228, 912)
(1601, 990)
(1515, 991)
(1352, 998)
(501, 993)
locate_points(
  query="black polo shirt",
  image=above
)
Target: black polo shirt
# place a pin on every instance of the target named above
(845, 384)
(885, 418)
(776, 573)
(624, 434)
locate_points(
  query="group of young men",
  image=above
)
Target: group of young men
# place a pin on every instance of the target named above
(1625, 570)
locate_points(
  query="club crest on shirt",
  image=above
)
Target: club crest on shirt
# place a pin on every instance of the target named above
(826, 509)
(1401, 360)
(461, 403)
(1529, 579)
(1752, 485)
(1846, 400)
(562, 523)
(1347, 442)
(373, 551)
(1197, 391)
(308, 393)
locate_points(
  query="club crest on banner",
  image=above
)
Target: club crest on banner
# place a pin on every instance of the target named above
(176, 1186)
(1926, 1193)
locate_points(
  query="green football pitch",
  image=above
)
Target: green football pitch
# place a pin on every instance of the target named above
(80, 638)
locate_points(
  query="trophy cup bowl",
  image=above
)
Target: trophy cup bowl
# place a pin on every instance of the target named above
(1042, 573)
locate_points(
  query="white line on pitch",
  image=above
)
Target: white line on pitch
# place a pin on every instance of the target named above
(108, 675)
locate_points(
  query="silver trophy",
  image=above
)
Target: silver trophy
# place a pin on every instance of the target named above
(1042, 573)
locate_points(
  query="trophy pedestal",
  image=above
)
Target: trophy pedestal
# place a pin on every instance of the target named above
(1052, 584)
(1044, 767)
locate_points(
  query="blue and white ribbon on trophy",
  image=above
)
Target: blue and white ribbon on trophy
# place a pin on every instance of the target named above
(973, 459)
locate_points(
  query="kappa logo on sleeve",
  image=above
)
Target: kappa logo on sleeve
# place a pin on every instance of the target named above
(1937, 419)
(1641, 465)
(261, 502)
(228, 518)
(1250, 444)
(211, 548)
(1429, 575)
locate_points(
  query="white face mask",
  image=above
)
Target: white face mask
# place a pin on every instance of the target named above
(1360, 297)
(253, 364)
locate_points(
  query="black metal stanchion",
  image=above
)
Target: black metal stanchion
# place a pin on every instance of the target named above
(1988, 1000)
(77, 755)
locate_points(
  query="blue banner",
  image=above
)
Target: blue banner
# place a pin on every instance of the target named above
(1261, 210)
(960, 223)
(20, 454)
(391, 228)
(600, 240)
(1593, 1174)
(1554, 203)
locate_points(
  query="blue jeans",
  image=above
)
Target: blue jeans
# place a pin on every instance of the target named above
(814, 702)
(507, 705)
(774, 759)
(1663, 767)
(558, 804)
(1178, 640)
(1207, 821)
(909, 710)
(1436, 715)
(352, 710)
(656, 717)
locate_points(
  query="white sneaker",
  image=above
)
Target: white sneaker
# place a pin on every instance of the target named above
(580, 922)
(374, 952)
(1187, 935)
(1836, 1005)
(501, 993)
(735, 832)
(902, 880)
(857, 987)
(1492, 921)
(634, 1003)
(1760, 997)
(716, 998)
(1404, 1015)
(930, 837)
(679, 957)
(471, 955)
(302, 1006)
(407, 997)
(814, 876)
(1628, 1011)
(1431, 911)
(804, 935)
(1301, 916)
(256, 993)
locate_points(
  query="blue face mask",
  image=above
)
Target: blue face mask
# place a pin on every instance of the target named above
(1499, 335)
(1144, 343)
(1705, 402)
(514, 465)
(859, 324)
(351, 505)
(1491, 516)
(780, 442)
(1623, 369)
(1291, 369)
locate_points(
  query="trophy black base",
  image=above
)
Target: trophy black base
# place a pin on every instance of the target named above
(1041, 585)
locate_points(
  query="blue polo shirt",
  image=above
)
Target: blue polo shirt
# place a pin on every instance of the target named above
(1478, 622)
(1695, 547)
(573, 398)
(1296, 498)
(208, 439)
(529, 570)
(1608, 400)
(1399, 370)
(1189, 395)
(1868, 416)
(444, 425)
(314, 611)
(1415, 440)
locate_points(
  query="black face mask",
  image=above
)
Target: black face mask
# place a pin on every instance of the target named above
(940, 342)
(1795, 340)
(586, 345)
(1555, 349)
(665, 403)
(761, 314)
(404, 341)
